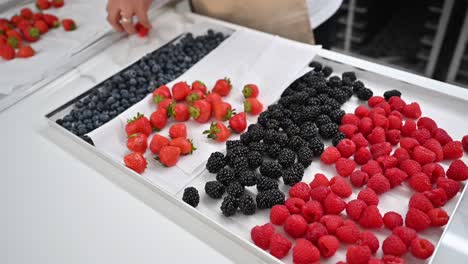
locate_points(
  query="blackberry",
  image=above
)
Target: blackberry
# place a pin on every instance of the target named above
(322, 98)
(235, 189)
(305, 156)
(296, 108)
(293, 174)
(273, 151)
(247, 205)
(296, 142)
(271, 169)
(310, 113)
(317, 146)
(339, 95)
(293, 130)
(240, 164)
(287, 92)
(388, 94)
(214, 189)
(316, 65)
(273, 124)
(286, 157)
(328, 131)
(256, 132)
(275, 107)
(287, 113)
(238, 151)
(297, 117)
(334, 104)
(258, 147)
(322, 120)
(191, 196)
(254, 159)
(334, 81)
(229, 206)
(308, 130)
(263, 118)
(216, 162)
(285, 123)
(265, 184)
(327, 71)
(348, 90)
(300, 97)
(230, 144)
(350, 75)
(320, 86)
(282, 140)
(245, 138)
(364, 94)
(225, 176)
(285, 101)
(247, 178)
(310, 91)
(337, 138)
(326, 109)
(313, 101)
(271, 136)
(357, 85)
(336, 115)
(268, 199)
(276, 113)
(346, 81)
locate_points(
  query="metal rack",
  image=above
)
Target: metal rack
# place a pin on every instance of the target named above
(458, 70)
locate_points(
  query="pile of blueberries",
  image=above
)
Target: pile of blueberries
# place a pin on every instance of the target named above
(132, 84)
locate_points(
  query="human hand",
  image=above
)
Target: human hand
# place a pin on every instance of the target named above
(120, 14)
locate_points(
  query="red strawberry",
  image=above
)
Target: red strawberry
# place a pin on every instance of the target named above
(250, 91)
(24, 24)
(179, 111)
(165, 103)
(201, 111)
(15, 20)
(7, 52)
(169, 155)
(180, 90)
(253, 106)
(42, 4)
(3, 40)
(42, 26)
(31, 34)
(222, 87)
(26, 13)
(38, 16)
(238, 123)
(51, 20)
(157, 143)
(12, 42)
(213, 98)
(25, 52)
(199, 86)
(14, 34)
(218, 132)
(137, 142)
(194, 96)
(135, 161)
(161, 93)
(138, 124)
(185, 145)
(68, 24)
(158, 119)
(222, 111)
(141, 30)
(178, 130)
(57, 3)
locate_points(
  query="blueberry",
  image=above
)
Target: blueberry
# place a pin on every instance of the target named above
(86, 121)
(120, 109)
(78, 104)
(142, 80)
(94, 118)
(112, 113)
(104, 117)
(132, 100)
(122, 86)
(117, 96)
(155, 68)
(132, 81)
(90, 126)
(110, 100)
(91, 105)
(141, 91)
(68, 118)
(97, 123)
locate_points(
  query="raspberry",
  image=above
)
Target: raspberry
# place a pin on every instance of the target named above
(376, 136)
(401, 154)
(368, 238)
(421, 135)
(393, 245)
(393, 136)
(346, 147)
(380, 121)
(389, 259)
(261, 235)
(377, 111)
(434, 146)
(421, 202)
(437, 196)
(375, 100)
(278, 214)
(366, 126)
(420, 182)
(375, 261)
(396, 103)
(387, 162)
(331, 222)
(421, 248)
(319, 180)
(385, 106)
(333, 204)
(358, 178)
(355, 208)
(330, 155)
(394, 122)
(348, 233)
(312, 211)
(379, 184)
(279, 246)
(305, 252)
(398, 114)
(408, 143)
(295, 226)
(408, 128)
(328, 245)
(406, 234)
(438, 217)
(465, 143)
(294, 205)
(457, 171)
(442, 136)
(395, 176)
(450, 186)
(358, 254)
(361, 111)
(392, 220)
(300, 190)
(371, 217)
(417, 219)
(410, 167)
(348, 129)
(351, 119)
(340, 187)
(380, 149)
(427, 123)
(372, 167)
(423, 155)
(315, 231)
(359, 140)
(453, 150)
(345, 167)
(412, 110)
(362, 156)
(368, 196)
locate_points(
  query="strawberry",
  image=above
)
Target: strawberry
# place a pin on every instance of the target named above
(222, 86)
(26, 13)
(12, 42)
(25, 52)
(222, 111)
(3, 40)
(180, 90)
(141, 30)
(157, 143)
(165, 103)
(7, 52)
(137, 142)
(213, 98)
(51, 20)
(169, 155)
(38, 16)
(179, 111)
(238, 123)
(68, 24)
(42, 4)
(42, 26)
(135, 161)
(178, 130)
(250, 91)
(138, 124)
(31, 34)
(199, 86)
(57, 3)
(194, 96)
(253, 106)
(200, 111)
(24, 25)
(161, 93)
(15, 20)
(185, 145)
(15, 34)
(218, 132)
(158, 119)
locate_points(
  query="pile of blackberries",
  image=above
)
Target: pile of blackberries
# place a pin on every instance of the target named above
(132, 84)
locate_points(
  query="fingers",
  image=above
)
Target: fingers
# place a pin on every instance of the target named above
(127, 12)
(142, 15)
(113, 17)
